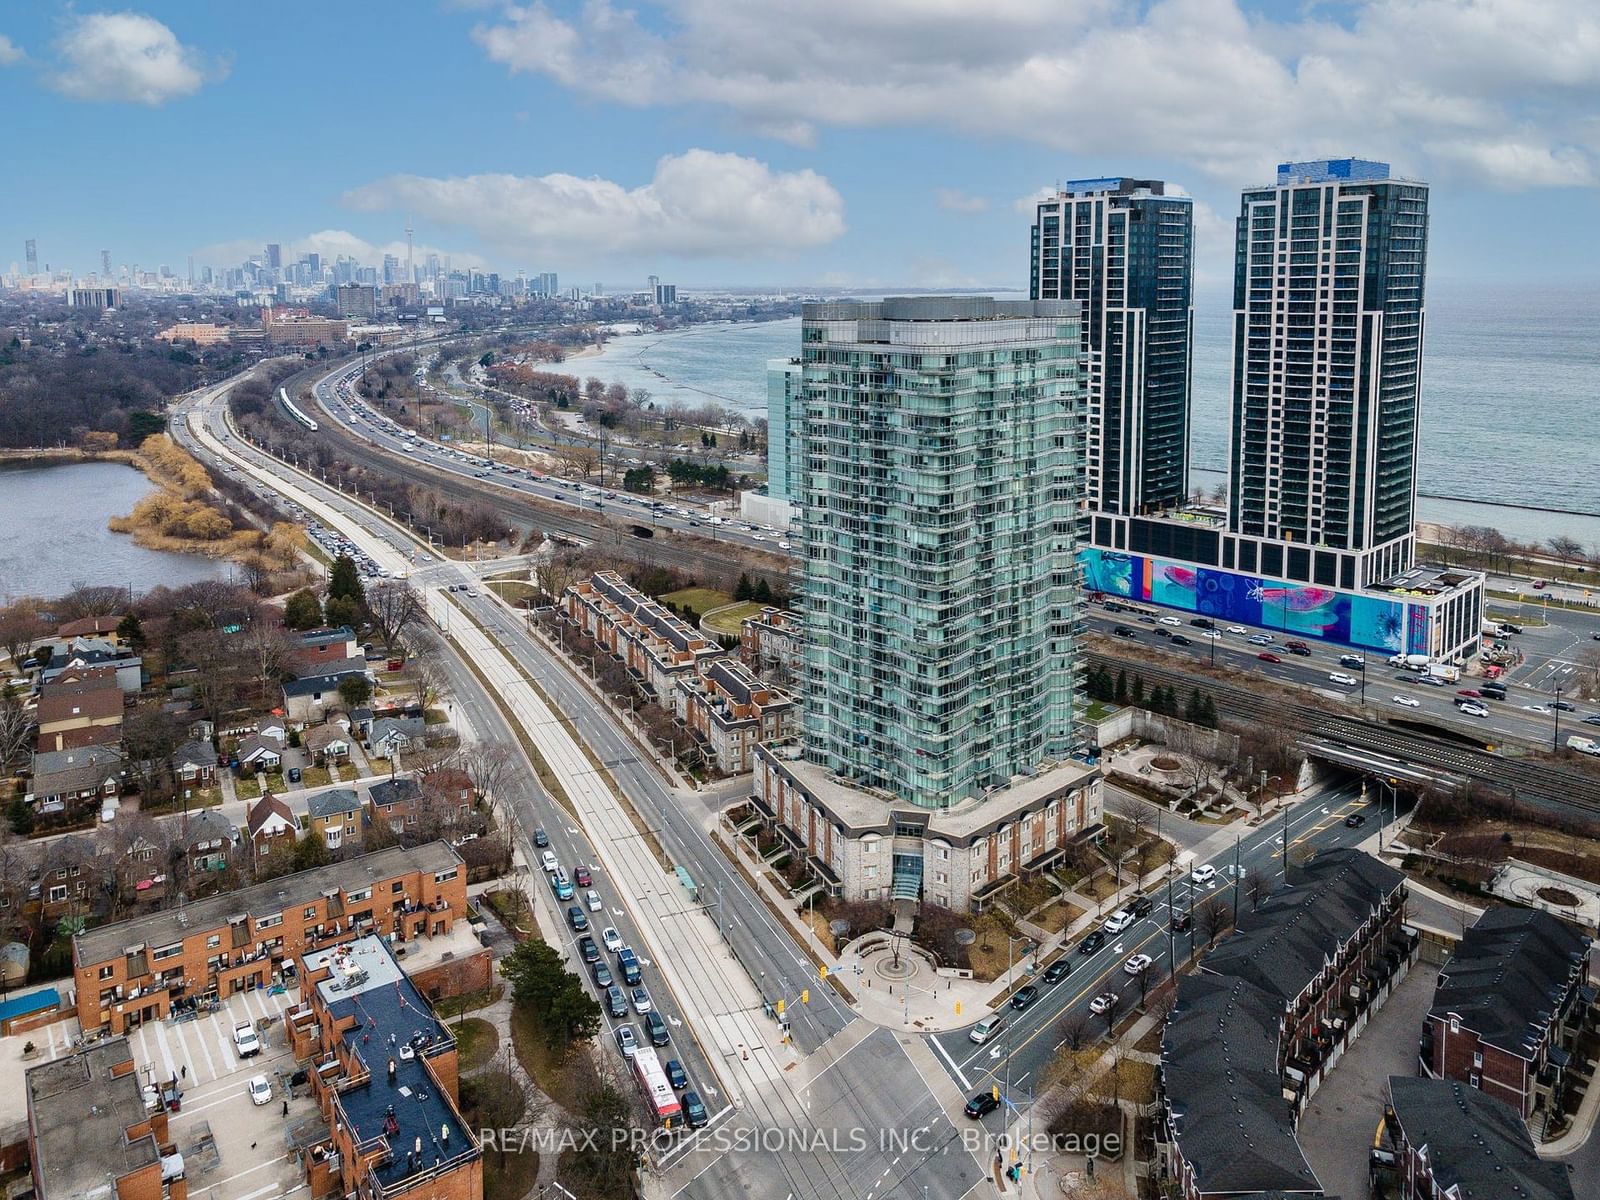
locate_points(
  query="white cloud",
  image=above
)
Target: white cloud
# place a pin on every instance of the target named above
(955, 200)
(699, 204)
(10, 52)
(1491, 90)
(1028, 205)
(128, 56)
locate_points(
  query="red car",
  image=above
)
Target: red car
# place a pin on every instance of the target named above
(1473, 692)
(582, 878)
(1538, 585)
(1268, 656)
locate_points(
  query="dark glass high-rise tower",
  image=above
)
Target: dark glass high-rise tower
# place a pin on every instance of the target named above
(1327, 357)
(1125, 250)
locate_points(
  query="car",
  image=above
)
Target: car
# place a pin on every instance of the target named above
(1137, 964)
(1204, 873)
(561, 886)
(1240, 630)
(541, 839)
(985, 1029)
(1103, 1002)
(1508, 628)
(260, 1090)
(1594, 720)
(641, 1001)
(1267, 656)
(611, 938)
(616, 1003)
(601, 974)
(1352, 660)
(245, 1040)
(1472, 693)
(1298, 651)
(582, 877)
(1407, 701)
(1166, 633)
(1180, 922)
(1432, 681)
(1092, 941)
(1141, 906)
(1540, 584)
(694, 1111)
(1340, 677)
(1468, 709)
(1123, 631)
(1058, 970)
(1202, 622)
(1562, 706)
(675, 1074)
(1179, 639)
(1295, 646)
(627, 1040)
(1147, 620)
(1355, 821)
(1213, 635)
(1260, 639)
(1024, 996)
(1118, 921)
(587, 950)
(981, 1105)
(549, 861)
(657, 1028)
(1536, 708)
(293, 774)
(591, 900)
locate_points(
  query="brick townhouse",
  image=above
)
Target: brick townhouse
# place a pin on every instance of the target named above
(1441, 1139)
(383, 1071)
(137, 971)
(770, 645)
(1270, 1011)
(729, 710)
(657, 647)
(90, 1132)
(1509, 1005)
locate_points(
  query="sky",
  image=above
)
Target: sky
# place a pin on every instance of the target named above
(853, 143)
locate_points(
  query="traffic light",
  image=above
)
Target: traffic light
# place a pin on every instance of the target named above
(824, 970)
(958, 1008)
(805, 995)
(994, 1091)
(780, 1008)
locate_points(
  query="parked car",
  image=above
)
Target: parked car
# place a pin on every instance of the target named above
(293, 774)
(245, 1041)
(1058, 970)
(1137, 964)
(260, 1090)
(1103, 1002)
(1024, 996)
(1204, 873)
(1119, 920)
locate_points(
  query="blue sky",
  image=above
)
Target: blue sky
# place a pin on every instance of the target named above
(873, 143)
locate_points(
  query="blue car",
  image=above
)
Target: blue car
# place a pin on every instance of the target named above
(675, 1073)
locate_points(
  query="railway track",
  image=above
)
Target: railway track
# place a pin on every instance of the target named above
(1530, 781)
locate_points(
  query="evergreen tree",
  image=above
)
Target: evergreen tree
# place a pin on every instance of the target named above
(344, 582)
(1121, 694)
(742, 590)
(1138, 691)
(130, 631)
(762, 593)
(303, 610)
(1192, 710)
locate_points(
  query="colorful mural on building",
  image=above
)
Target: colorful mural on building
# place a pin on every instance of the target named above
(1299, 610)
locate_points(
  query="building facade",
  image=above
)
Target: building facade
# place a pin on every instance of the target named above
(660, 648)
(769, 644)
(785, 412)
(1327, 342)
(940, 520)
(729, 712)
(1124, 250)
(134, 972)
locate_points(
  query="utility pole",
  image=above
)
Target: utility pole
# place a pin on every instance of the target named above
(1238, 881)
(1286, 843)
(1172, 934)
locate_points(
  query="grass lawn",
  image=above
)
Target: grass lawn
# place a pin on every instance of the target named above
(512, 911)
(251, 789)
(567, 1078)
(315, 776)
(1098, 711)
(514, 591)
(476, 1043)
(728, 620)
(1058, 916)
(454, 1006)
(698, 600)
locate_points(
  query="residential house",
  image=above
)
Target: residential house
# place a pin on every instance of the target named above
(326, 743)
(209, 840)
(194, 764)
(259, 753)
(1509, 1005)
(83, 653)
(67, 873)
(91, 1131)
(335, 815)
(130, 972)
(729, 710)
(1442, 1139)
(89, 627)
(307, 700)
(316, 648)
(268, 822)
(396, 735)
(274, 727)
(394, 802)
(71, 780)
(770, 645)
(64, 716)
(360, 723)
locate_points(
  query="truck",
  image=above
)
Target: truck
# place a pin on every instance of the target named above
(1445, 671)
(1583, 745)
(1411, 662)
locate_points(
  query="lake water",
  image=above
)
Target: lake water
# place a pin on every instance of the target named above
(1509, 398)
(53, 533)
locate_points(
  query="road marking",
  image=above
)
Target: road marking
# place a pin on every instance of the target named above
(961, 1076)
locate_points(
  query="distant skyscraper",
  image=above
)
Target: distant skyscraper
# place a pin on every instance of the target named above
(391, 269)
(191, 267)
(1328, 321)
(939, 511)
(31, 248)
(785, 413)
(274, 256)
(314, 263)
(1125, 250)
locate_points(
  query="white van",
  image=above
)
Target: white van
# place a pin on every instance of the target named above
(985, 1029)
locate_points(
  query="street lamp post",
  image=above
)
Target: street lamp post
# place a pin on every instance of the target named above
(1555, 709)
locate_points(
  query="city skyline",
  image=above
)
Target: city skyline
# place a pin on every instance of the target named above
(842, 170)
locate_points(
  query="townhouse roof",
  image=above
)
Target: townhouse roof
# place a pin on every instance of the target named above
(261, 900)
(400, 790)
(334, 802)
(1219, 1066)
(1475, 1143)
(736, 679)
(1290, 938)
(264, 809)
(96, 705)
(81, 1112)
(1507, 976)
(647, 612)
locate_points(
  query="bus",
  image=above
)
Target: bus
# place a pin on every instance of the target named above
(653, 1086)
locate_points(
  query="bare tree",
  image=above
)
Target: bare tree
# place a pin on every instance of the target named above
(487, 764)
(1211, 917)
(268, 650)
(1256, 885)
(1567, 549)
(150, 737)
(1113, 1009)
(20, 626)
(90, 600)
(16, 728)
(1074, 1028)
(425, 672)
(392, 607)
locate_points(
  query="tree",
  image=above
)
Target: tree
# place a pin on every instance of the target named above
(355, 691)
(1112, 1010)
(268, 651)
(311, 851)
(487, 765)
(131, 632)
(494, 1098)
(20, 626)
(392, 607)
(342, 610)
(16, 728)
(344, 581)
(603, 1158)
(1256, 885)
(150, 737)
(554, 573)
(1211, 918)
(641, 480)
(91, 600)
(303, 610)
(1565, 548)
(1074, 1028)
(743, 590)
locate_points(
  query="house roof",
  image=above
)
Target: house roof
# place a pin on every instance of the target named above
(410, 727)
(323, 736)
(1475, 1143)
(327, 636)
(197, 753)
(270, 724)
(394, 791)
(208, 825)
(88, 626)
(312, 684)
(1292, 935)
(82, 1112)
(97, 705)
(260, 900)
(258, 743)
(74, 681)
(331, 666)
(1219, 1059)
(335, 802)
(264, 809)
(1508, 974)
